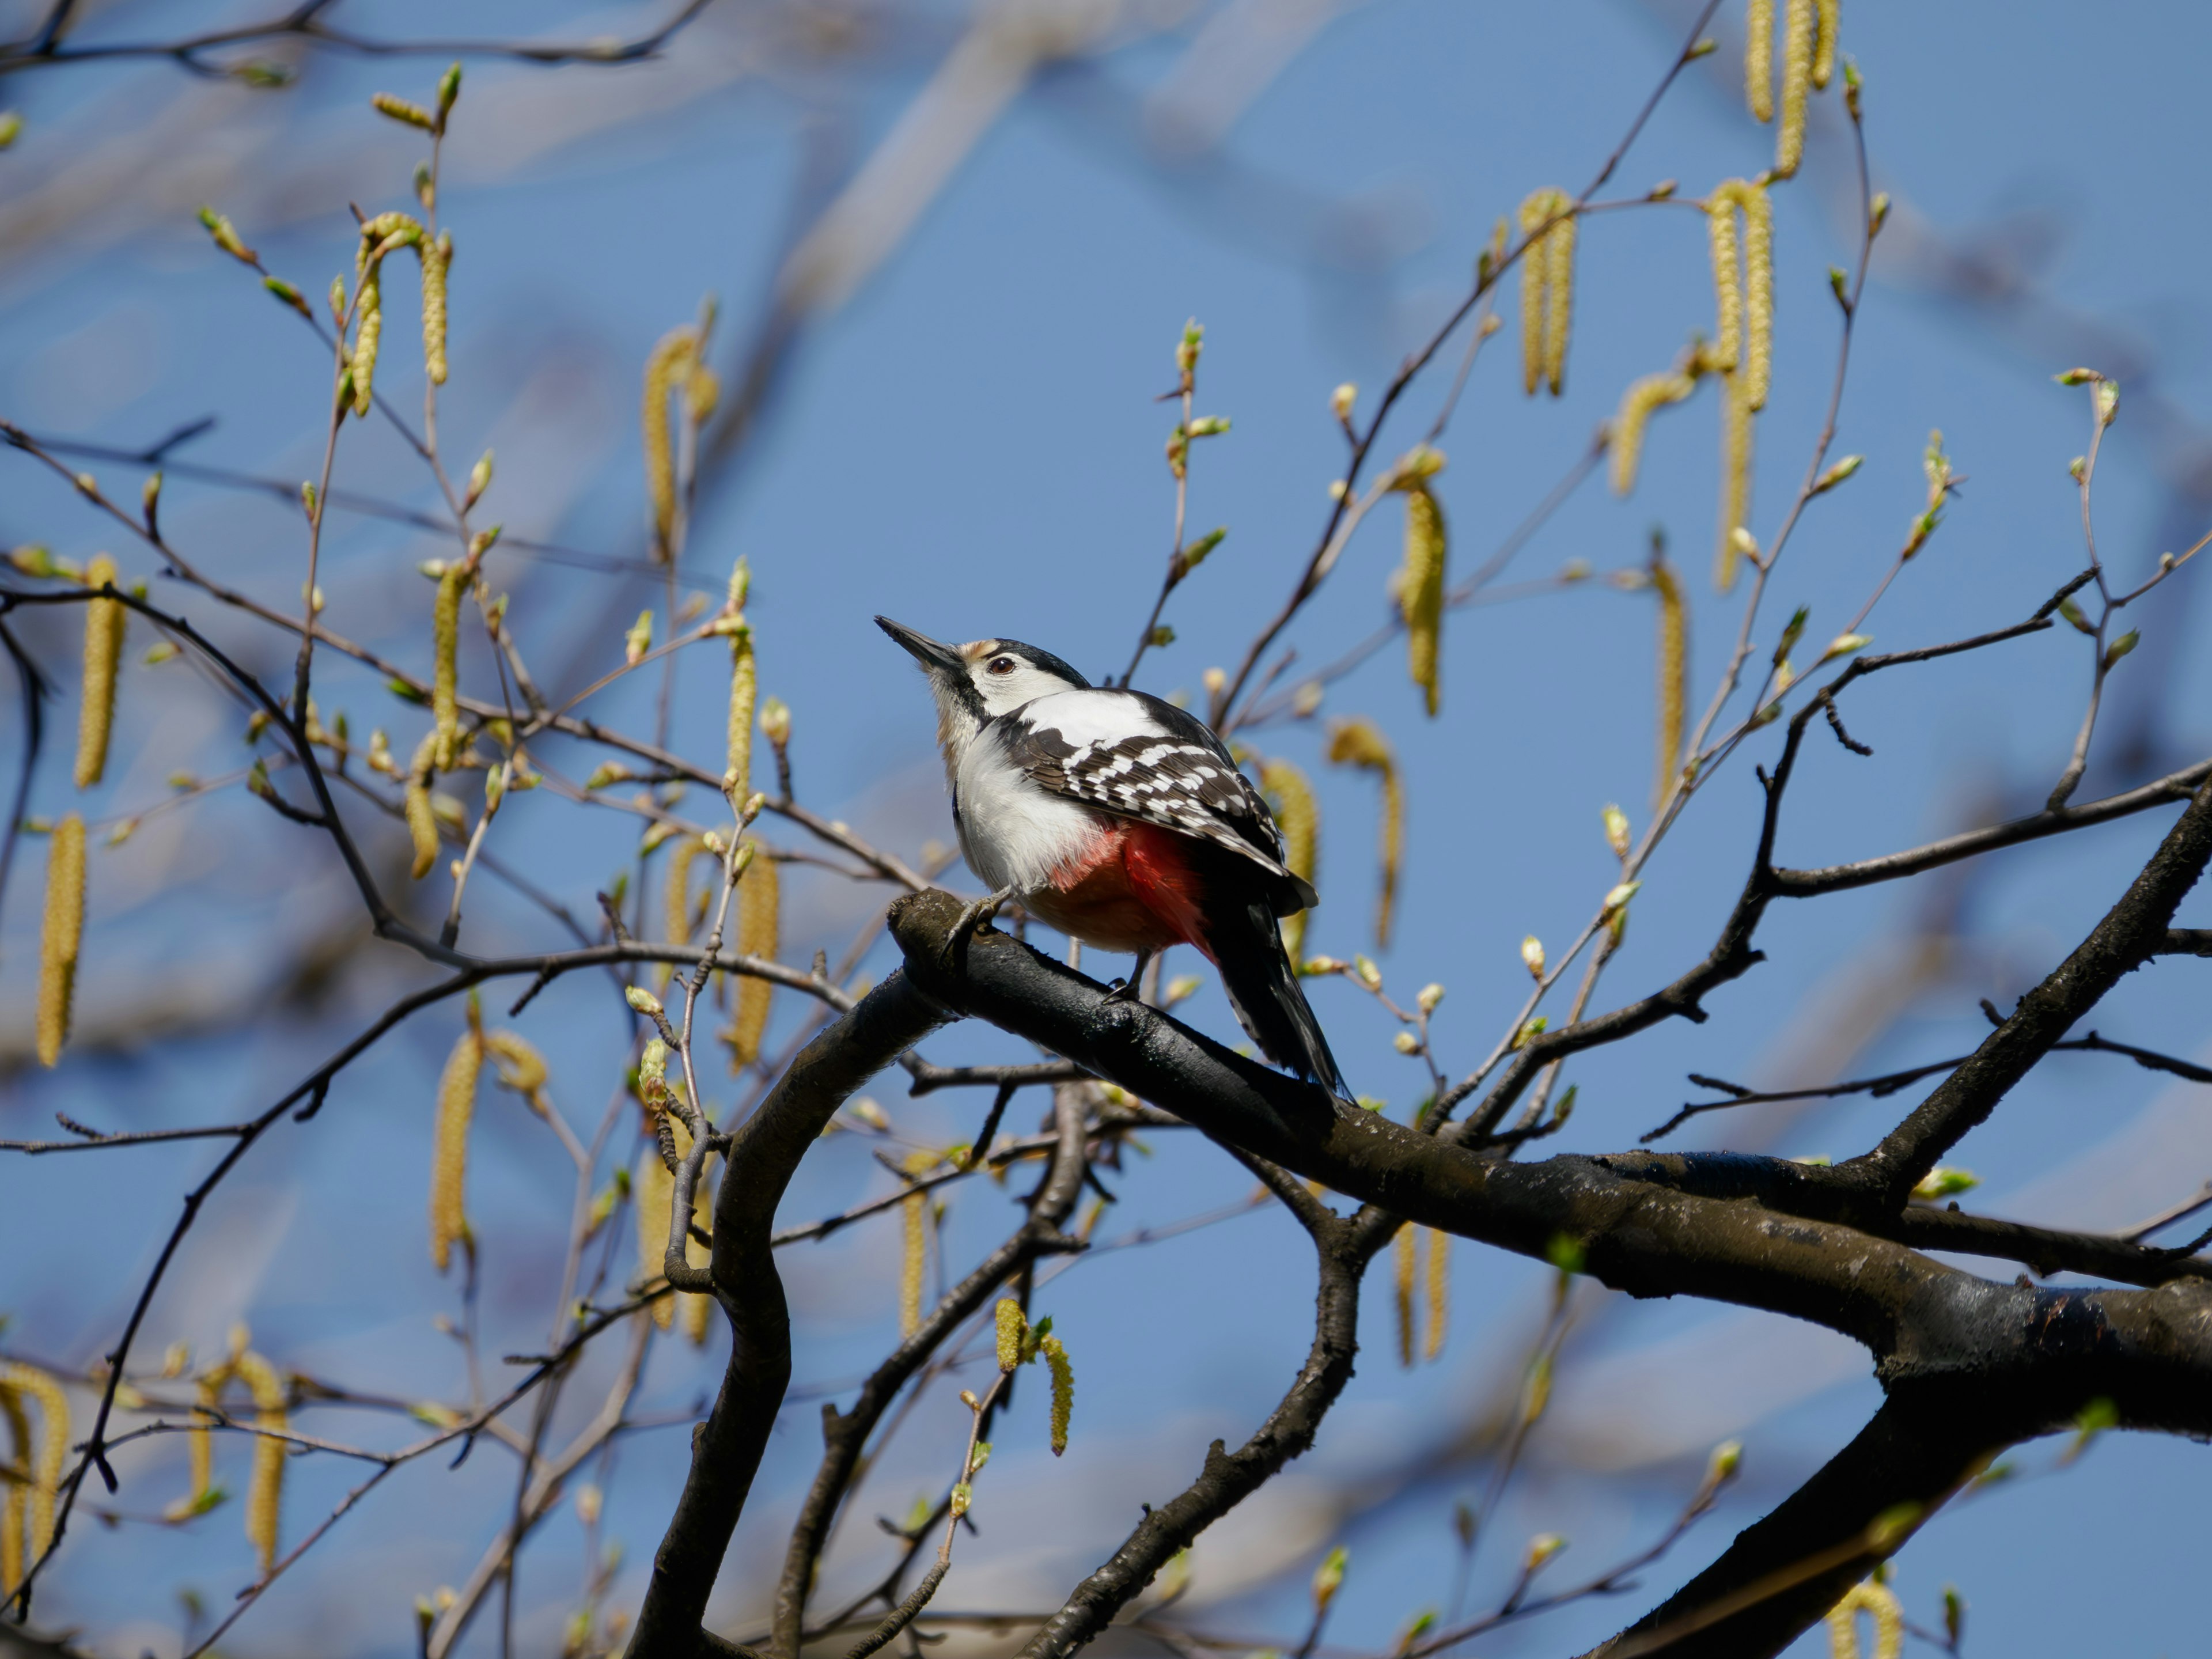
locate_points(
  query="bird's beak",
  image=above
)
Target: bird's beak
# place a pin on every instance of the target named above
(930, 654)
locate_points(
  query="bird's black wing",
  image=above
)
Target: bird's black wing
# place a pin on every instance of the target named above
(1177, 775)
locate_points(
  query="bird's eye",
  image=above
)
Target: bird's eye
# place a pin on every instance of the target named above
(1000, 665)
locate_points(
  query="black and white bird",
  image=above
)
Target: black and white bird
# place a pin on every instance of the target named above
(1122, 821)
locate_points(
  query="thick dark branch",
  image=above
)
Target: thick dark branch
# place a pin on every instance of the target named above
(1647, 1224)
(726, 1448)
(2121, 943)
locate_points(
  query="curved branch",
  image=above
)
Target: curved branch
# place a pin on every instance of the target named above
(725, 1450)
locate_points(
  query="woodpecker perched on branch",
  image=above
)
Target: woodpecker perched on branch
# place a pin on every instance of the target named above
(1122, 821)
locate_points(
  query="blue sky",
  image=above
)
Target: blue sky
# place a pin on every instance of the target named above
(971, 445)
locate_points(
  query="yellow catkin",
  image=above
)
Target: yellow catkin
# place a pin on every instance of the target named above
(913, 1244)
(1401, 1258)
(745, 691)
(1797, 85)
(1880, 1601)
(1759, 57)
(444, 645)
(264, 1493)
(676, 906)
(421, 822)
(28, 1382)
(1421, 589)
(1824, 43)
(14, 1490)
(670, 363)
(103, 650)
(1360, 743)
(63, 936)
(1063, 1390)
(368, 333)
(1626, 439)
(1758, 365)
(1673, 676)
(655, 1190)
(200, 1441)
(521, 1068)
(1297, 815)
(449, 1156)
(1438, 1284)
(760, 902)
(1728, 281)
(437, 257)
(1009, 1328)
(1559, 295)
(1547, 288)
(1735, 480)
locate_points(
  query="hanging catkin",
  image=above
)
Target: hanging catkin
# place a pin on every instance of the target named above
(1401, 1257)
(265, 1492)
(1547, 265)
(422, 820)
(655, 1191)
(14, 1490)
(1439, 1289)
(103, 650)
(1421, 590)
(1673, 659)
(1797, 85)
(759, 901)
(62, 936)
(449, 1156)
(28, 1381)
(1290, 794)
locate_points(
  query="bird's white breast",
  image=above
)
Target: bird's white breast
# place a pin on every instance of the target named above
(1014, 832)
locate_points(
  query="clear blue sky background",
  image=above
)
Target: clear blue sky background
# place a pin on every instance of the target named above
(972, 446)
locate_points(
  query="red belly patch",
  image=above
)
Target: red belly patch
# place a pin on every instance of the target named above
(1132, 889)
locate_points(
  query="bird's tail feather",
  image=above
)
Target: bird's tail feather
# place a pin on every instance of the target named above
(1264, 991)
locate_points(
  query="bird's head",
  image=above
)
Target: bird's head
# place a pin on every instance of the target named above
(981, 680)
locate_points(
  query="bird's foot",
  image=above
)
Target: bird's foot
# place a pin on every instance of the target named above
(1121, 990)
(973, 917)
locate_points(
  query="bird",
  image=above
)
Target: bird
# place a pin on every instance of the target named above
(1121, 820)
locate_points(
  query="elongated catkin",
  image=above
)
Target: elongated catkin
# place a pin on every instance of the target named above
(103, 652)
(62, 938)
(1547, 265)
(654, 1192)
(1626, 439)
(1674, 658)
(760, 903)
(1759, 57)
(446, 674)
(16, 1491)
(28, 1382)
(1402, 1263)
(1421, 590)
(1797, 85)
(449, 1156)
(265, 1492)
(670, 362)
(421, 821)
(1290, 793)
(1438, 1283)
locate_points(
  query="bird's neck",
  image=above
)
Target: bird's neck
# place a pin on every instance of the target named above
(957, 724)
